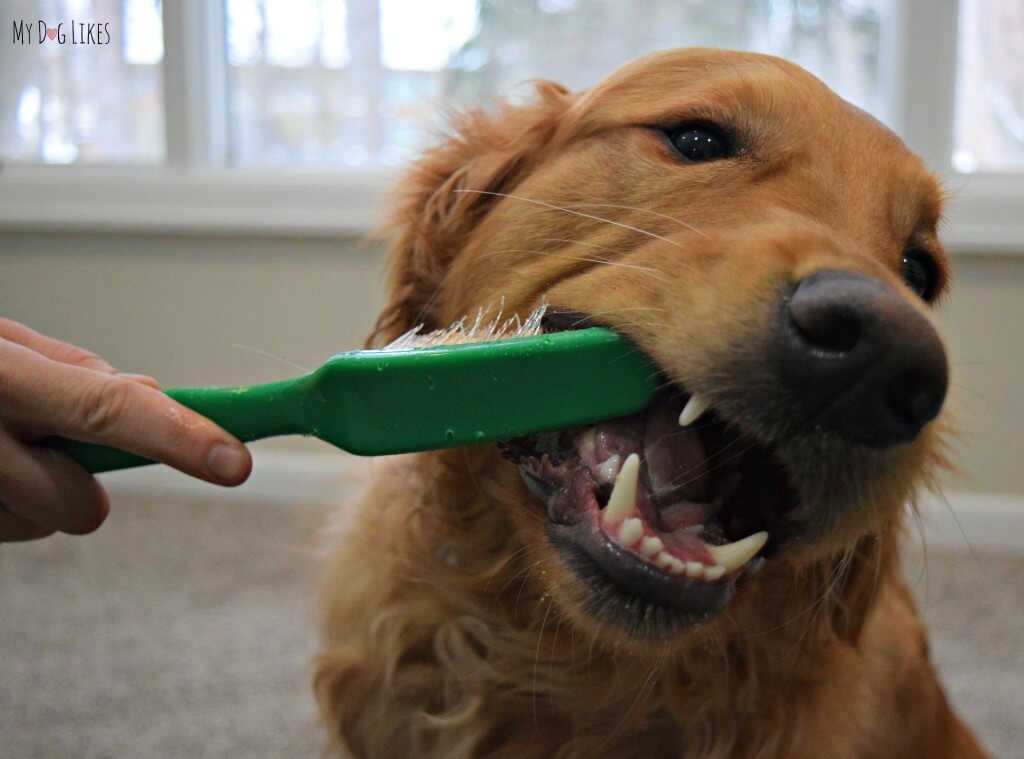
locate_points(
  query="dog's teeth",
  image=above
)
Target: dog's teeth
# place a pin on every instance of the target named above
(631, 531)
(694, 569)
(735, 555)
(587, 441)
(714, 573)
(651, 547)
(678, 567)
(665, 561)
(607, 470)
(693, 410)
(623, 497)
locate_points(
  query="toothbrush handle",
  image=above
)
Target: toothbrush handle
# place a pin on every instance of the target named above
(248, 413)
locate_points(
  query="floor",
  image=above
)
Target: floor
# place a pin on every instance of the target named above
(186, 630)
(177, 630)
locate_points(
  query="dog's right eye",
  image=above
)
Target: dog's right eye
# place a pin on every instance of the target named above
(699, 142)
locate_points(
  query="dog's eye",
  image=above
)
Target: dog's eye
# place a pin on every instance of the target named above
(920, 273)
(699, 142)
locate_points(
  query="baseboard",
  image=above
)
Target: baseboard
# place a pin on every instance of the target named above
(961, 520)
(973, 521)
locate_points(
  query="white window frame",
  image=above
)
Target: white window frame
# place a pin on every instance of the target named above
(196, 191)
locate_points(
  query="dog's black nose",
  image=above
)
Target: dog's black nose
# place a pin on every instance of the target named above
(859, 360)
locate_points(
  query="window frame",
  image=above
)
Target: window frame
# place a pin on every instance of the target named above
(197, 191)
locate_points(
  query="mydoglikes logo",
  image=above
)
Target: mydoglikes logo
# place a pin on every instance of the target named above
(75, 33)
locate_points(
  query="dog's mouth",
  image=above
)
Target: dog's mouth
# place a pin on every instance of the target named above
(659, 514)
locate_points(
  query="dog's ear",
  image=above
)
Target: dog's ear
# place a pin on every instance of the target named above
(487, 152)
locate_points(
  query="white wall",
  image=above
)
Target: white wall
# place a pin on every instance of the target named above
(175, 306)
(984, 322)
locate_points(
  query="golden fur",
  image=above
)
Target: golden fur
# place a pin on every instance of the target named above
(450, 627)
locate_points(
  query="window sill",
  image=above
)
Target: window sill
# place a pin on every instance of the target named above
(256, 202)
(985, 213)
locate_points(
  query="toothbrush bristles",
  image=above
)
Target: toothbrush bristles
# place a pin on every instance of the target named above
(482, 328)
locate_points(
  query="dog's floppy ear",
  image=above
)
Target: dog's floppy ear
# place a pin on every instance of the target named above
(487, 152)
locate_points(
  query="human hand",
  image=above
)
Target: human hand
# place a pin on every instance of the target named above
(48, 387)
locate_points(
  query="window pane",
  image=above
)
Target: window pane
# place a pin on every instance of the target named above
(990, 87)
(88, 91)
(362, 82)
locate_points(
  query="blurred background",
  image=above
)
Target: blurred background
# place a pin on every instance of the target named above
(187, 193)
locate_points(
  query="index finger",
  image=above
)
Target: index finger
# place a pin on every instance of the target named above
(47, 397)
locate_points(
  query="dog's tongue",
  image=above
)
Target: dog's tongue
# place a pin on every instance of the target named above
(674, 458)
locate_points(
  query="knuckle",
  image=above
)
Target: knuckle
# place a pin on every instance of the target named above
(104, 406)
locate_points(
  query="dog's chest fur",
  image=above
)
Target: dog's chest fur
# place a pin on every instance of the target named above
(442, 642)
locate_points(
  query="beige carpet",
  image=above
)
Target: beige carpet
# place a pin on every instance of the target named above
(186, 630)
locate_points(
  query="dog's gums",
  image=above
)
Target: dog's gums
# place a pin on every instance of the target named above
(661, 513)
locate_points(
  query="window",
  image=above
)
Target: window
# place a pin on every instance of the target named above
(342, 83)
(290, 115)
(63, 100)
(990, 87)
(356, 83)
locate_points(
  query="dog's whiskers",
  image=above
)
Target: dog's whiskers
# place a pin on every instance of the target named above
(522, 586)
(566, 256)
(650, 211)
(536, 656)
(675, 482)
(554, 207)
(505, 563)
(622, 309)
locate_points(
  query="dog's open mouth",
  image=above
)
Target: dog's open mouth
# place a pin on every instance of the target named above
(659, 513)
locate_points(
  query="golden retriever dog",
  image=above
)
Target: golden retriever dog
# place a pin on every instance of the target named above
(719, 574)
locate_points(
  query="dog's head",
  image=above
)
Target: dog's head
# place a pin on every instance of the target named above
(770, 247)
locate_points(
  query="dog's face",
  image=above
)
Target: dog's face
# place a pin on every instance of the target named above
(772, 249)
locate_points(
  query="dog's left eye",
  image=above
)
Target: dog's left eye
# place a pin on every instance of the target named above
(699, 142)
(920, 273)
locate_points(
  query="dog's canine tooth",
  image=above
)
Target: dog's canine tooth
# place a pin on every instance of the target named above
(692, 411)
(694, 569)
(607, 469)
(651, 546)
(714, 573)
(622, 501)
(631, 531)
(734, 555)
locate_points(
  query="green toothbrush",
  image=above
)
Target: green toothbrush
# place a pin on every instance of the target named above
(430, 391)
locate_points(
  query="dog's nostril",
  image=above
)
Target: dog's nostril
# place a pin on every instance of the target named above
(824, 323)
(914, 397)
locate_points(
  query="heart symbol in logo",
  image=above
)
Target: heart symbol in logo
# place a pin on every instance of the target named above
(51, 34)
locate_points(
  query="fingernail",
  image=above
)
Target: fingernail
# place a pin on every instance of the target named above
(227, 463)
